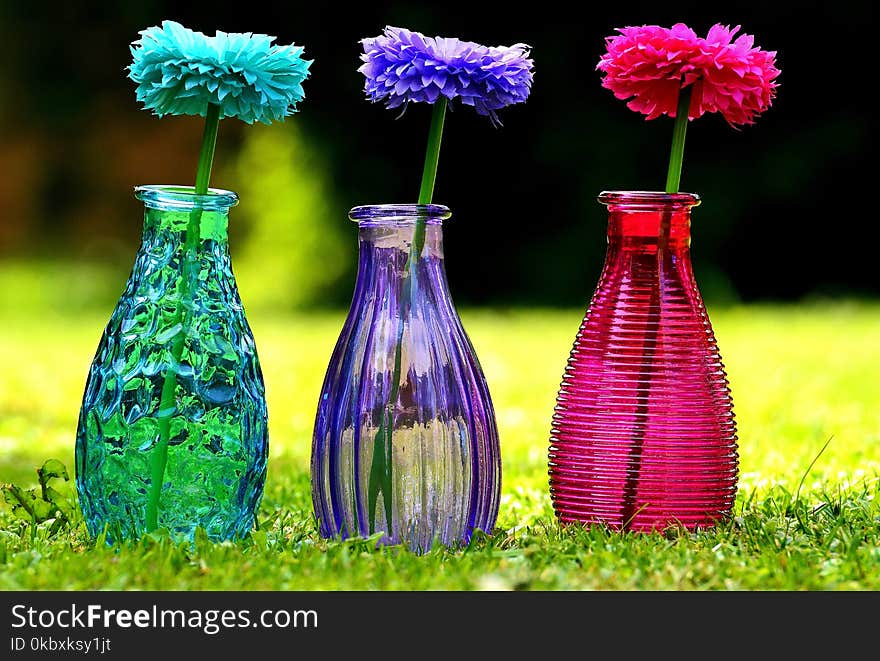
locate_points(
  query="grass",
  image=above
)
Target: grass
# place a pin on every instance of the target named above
(800, 375)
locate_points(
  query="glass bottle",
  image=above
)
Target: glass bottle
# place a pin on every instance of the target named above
(417, 462)
(172, 430)
(643, 432)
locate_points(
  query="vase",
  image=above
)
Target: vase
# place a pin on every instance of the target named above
(405, 443)
(172, 431)
(643, 435)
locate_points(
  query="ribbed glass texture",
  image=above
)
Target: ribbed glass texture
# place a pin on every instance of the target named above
(643, 432)
(185, 303)
(433, 474)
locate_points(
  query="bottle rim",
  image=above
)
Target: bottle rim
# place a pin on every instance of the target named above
(184, 198)
(648, 200)
(399, 214)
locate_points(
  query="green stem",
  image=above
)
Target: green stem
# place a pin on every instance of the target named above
(429, 175)
(432, 155)
(380, 469)
(206, 154)
(676, 154)
(167, 406)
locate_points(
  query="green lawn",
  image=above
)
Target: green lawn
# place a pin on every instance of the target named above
(799, 374)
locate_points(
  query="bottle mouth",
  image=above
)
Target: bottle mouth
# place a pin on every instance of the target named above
(648, 200)
(184, 198)
(399, 214)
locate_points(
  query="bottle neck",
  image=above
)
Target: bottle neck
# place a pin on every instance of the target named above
(180, 220)
(398, 241)
(645, 231)
(645, 222)
(172, 229)
(388, 240)
(184, 258)
(384, 261)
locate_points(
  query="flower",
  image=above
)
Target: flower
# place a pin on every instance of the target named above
(402, 66)
(179, 72)
(650, 64)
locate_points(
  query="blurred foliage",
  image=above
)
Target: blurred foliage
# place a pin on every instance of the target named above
(526, 226)
(57, 286)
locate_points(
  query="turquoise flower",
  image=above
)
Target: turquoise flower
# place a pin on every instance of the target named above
(179, 71)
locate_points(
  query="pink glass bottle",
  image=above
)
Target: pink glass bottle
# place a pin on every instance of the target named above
(643, 432)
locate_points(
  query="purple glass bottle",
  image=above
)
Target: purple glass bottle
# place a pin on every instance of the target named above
(643, 432)
(419, 461)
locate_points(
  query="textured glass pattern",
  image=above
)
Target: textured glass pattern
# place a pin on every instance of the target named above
(439, 478)
(643, 432)
(217, 445)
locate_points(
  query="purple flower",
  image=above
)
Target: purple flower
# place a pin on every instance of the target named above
(402, 66)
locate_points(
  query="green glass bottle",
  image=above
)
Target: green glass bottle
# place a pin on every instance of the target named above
(172, 430)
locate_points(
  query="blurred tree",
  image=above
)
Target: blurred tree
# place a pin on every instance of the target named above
(294, 252)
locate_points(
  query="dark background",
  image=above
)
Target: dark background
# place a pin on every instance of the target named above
(786, 211)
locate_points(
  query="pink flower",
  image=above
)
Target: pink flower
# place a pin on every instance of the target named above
(649, 64)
